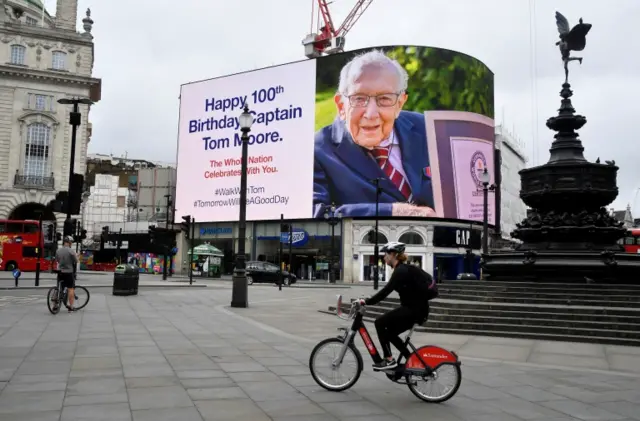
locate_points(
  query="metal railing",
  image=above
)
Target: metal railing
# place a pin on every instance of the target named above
(34, 181)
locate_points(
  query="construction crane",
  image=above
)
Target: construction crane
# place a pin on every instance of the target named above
(328, 39)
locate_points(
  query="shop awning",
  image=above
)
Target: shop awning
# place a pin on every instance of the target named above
(206, 250)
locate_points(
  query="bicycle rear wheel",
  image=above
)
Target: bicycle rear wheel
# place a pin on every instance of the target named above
(53, 300)
(82, 296)
(438, 387)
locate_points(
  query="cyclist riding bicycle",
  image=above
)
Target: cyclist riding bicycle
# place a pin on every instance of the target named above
(413, 286)
(67, 262)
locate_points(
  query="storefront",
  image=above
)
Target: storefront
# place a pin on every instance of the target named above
(448, 242)
(309, 254)
(432, 245)
(223, 236)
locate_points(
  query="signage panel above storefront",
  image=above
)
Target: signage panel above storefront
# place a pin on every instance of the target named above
(215, 230)
(300, 237)
(456, 237)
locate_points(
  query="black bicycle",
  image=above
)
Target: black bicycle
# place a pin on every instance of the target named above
(57, 295)
(427, 365)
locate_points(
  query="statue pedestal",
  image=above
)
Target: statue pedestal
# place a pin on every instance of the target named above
(568, 235)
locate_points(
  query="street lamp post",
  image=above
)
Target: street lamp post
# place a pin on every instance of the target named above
(376, 250)
(333, 216)
(75, 119)
(485, 178)
(239, 294)
(168, 265)
(40, 246)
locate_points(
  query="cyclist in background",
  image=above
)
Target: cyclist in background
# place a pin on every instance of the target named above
(415, 289)
(67, 263)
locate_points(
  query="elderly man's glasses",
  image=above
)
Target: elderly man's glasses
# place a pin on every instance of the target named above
(384, 100)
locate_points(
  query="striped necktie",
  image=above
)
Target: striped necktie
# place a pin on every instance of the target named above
(381, 154)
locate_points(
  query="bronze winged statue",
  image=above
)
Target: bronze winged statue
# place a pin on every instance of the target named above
(574, 39)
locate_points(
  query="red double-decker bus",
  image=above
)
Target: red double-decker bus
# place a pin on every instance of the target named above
(20, 242)
(631, 242)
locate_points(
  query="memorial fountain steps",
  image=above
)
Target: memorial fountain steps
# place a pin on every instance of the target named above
(583, 314)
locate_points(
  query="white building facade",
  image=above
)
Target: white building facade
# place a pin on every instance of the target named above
(105, 204)
(41, 61)
(512, 208)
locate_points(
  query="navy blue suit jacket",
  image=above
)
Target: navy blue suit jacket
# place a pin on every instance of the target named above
(343, 171)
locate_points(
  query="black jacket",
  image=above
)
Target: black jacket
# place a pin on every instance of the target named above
(411, 283)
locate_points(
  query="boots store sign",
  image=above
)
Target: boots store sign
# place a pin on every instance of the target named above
(300, 237)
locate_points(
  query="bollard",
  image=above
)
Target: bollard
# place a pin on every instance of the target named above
(16, 276)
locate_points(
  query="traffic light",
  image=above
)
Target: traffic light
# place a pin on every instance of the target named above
(49, 233)
(83, 234)
(59, 204)
(69, 228)
(152, 233)
(103, 236)
(284, 228)
(186, 225)
(75, 195)
(58, 236)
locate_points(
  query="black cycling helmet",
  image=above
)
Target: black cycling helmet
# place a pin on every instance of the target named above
(393, 246)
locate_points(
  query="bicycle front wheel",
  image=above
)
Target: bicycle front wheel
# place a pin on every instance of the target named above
(53, 300)
(330, 377)
(81, 300)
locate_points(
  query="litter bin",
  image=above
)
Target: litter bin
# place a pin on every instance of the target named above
(125, 280)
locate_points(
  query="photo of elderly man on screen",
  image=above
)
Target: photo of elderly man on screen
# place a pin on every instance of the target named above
(373, 138)
(371, 128)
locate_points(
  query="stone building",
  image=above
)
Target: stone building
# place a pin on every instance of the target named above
(513, 160)
(42, 59)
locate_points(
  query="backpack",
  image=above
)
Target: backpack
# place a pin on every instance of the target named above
(432, 289)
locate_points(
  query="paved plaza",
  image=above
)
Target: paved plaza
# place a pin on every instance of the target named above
(183, 354)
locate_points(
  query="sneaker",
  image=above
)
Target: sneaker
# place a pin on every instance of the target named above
(385, 365)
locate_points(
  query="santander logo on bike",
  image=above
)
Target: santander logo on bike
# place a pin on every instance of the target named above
(437, 356)
(367, 341)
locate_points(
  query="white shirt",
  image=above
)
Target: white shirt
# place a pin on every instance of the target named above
(395, 155)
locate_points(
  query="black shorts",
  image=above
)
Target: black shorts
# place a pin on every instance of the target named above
(68, 280)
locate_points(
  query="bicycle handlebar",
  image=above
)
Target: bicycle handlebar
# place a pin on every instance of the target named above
(355, 307)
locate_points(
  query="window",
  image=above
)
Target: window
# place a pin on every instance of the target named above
(36, 156)
(31, 21)
(17, 54)
(629, 241)
(270, 267)
(370, 238)
(121, 201)
(59, 60)
(411, 238)
(14, 228)
(30, 228)
(29, 252)
(40, 102)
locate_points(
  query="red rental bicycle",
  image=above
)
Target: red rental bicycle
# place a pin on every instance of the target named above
(427, 365)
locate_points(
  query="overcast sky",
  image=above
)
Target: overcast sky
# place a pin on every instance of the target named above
(145, 49)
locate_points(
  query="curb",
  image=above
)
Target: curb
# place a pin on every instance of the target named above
(100, 286)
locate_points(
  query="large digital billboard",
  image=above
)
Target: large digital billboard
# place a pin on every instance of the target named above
(415, 121)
